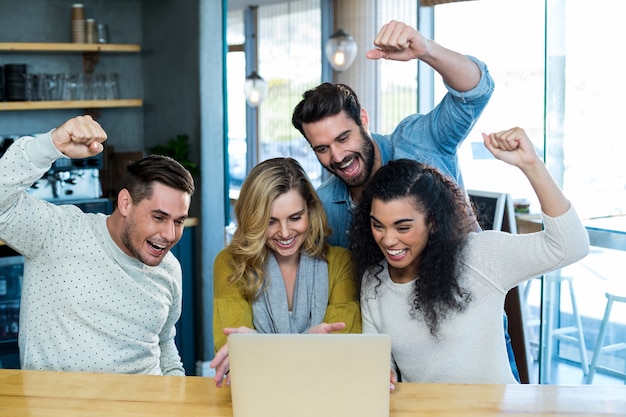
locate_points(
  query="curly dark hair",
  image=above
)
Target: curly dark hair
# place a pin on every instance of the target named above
(437, 291)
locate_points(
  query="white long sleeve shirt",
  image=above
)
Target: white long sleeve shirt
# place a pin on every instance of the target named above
(86, 305)
(471, 345)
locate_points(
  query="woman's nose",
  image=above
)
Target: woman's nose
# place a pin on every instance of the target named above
(389, 238)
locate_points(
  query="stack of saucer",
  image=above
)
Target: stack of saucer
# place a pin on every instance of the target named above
(15, 82)
(78, 24)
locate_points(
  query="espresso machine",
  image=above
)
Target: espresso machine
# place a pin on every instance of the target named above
(74, 181)
(71, 181)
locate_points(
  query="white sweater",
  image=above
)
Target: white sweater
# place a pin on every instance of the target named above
(86, 305)
(471, 345)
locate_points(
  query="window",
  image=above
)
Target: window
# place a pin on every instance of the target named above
(236, 75)
(290, 61)
(398, 80)
(517, 65)
(557, 75)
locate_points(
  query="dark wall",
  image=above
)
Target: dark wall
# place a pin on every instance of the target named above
(171, 69)
(50, 21)
(171, 75)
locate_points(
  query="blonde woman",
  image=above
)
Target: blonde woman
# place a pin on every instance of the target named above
(279, 275)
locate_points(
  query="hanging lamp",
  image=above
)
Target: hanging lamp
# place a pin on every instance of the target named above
(341, 50)
(255, 89)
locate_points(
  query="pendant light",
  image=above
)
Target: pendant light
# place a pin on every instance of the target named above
(341, 50)
(255, 89)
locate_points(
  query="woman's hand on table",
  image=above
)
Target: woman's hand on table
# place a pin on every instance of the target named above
(220, 361)
(325, 328)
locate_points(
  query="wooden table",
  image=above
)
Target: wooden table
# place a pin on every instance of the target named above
(67, 394)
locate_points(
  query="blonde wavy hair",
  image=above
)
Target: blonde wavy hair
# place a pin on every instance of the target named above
(267, 181)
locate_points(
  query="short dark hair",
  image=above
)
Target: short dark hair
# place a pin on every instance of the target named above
(325, 100)
(142, 174)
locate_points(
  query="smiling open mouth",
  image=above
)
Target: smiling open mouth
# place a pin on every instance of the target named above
(285, 243)
(350, 167)
(156, 248)
(396, 253)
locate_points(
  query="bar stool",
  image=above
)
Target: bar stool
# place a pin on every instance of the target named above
(599, 348)
(572, 334)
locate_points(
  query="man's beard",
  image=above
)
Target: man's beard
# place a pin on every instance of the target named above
(128, 242)
(367, 158)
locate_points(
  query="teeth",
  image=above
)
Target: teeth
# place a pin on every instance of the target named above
(285, 242)
(396, 252)
(159, 247)
(346, 164)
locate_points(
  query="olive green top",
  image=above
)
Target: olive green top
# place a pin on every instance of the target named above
(232, 309)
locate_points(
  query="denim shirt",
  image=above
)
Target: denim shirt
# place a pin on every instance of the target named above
(431, 138)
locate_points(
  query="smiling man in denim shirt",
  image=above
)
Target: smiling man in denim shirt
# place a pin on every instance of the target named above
(336, 126)
(332, 120)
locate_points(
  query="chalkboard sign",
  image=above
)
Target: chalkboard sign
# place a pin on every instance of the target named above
(509, 224)
(494, 210)
(489, 207)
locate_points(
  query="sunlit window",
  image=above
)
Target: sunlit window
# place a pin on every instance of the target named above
(398, 80)
(557, 75)
(491, 30)
(235, 78)
(290, 61)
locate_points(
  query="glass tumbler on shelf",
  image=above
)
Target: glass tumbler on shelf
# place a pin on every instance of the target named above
(42, 87)
(98, 87)
(79, 92)
(102, 33)
(110, 86)
(88, 86)
(55, 84)
(30, 87)
(69, 87)
(47, 85)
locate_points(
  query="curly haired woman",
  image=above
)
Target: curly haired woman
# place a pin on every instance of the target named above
(438, 287)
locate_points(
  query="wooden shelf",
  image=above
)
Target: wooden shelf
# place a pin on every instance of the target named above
(75, 104)
(67, 47)
(87, 49)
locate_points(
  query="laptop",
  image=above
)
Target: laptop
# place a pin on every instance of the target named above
(309, 375)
